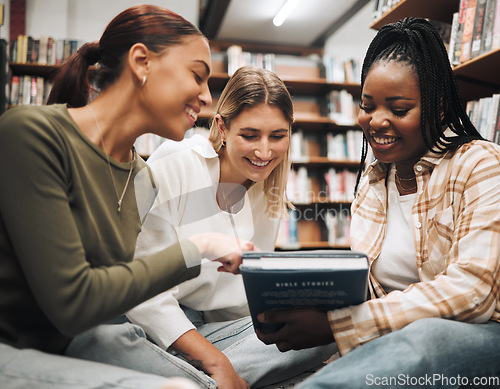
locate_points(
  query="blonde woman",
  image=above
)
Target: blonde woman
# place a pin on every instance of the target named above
(232, 183)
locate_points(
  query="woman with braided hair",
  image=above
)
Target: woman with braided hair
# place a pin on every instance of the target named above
(427, 213)
(71, 207)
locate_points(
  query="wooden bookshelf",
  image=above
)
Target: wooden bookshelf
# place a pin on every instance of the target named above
(302, 51)
(46, 71)
(218, 80)
(476, 78)
(319, 124)
(484, 68)
(308, 118)
(316, 162)
(441, 10)
(309, 123)
(299, 86)
(479, 77)
(319, 87)
(310, 90)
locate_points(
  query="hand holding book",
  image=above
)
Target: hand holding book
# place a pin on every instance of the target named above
(320, 279)
(302, 328)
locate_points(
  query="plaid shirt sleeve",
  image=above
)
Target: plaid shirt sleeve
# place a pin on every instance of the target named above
(456, 222)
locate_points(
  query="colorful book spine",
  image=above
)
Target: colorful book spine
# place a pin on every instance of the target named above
(468, 30)
(495, 44)
(489, 22)
(477, 32)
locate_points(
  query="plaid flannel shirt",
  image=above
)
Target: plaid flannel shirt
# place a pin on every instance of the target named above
(456, 228)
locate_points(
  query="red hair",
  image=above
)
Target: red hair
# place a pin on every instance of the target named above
(156, 27)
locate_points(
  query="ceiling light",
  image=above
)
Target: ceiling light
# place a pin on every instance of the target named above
(284, 12)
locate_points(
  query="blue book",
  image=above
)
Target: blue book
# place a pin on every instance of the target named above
(321, 279)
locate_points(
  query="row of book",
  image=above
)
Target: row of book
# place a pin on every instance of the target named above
(485, 115)
(288, 234)
(28, 90)
(340, 71)
(331, 68)
(237, 58)
(444, 28)
(475, 30)
(342, 107)
(344, 145)
(337, 228)
(330, 225)
(45, 50)
(332, 184)
(382, 6)
(341, 146)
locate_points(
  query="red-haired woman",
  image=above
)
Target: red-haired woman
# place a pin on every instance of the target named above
(69, 216)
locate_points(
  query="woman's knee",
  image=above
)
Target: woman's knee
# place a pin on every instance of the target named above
(106, 336)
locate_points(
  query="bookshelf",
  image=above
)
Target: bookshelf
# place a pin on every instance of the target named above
(441, 10)
(476, 78)
(33, 64)
(20, 69)
(309, 89)
(29, 83)
(476, 72)
(482, 70)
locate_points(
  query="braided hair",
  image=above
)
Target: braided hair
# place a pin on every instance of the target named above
(417, 43)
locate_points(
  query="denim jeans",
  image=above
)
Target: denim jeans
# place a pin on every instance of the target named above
(30, 368)
(429, 353)
(127, 345)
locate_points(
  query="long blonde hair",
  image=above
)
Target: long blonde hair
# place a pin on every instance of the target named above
(249, 87)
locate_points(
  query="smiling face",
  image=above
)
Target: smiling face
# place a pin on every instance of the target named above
(255, 144)
(390, 115)
(177, 87)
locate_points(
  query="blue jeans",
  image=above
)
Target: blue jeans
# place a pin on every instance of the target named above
(30, 368)
(429, 353)
(127, 345)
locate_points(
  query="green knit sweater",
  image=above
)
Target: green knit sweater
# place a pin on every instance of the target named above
(65, 251)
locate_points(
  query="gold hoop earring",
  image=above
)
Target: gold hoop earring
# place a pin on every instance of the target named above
(143, 80)
(223, 143)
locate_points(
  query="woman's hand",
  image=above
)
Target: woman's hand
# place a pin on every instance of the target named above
(206, 357)
(227, 378)
(223, 248)
(304, 328)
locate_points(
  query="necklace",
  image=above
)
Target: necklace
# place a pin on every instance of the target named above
(404, 179)
(227, 205)
(120, 198)
(399, 182)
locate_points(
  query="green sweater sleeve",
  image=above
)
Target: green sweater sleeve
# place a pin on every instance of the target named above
(65, 251)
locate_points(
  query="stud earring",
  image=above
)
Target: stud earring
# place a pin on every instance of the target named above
(143, 80)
